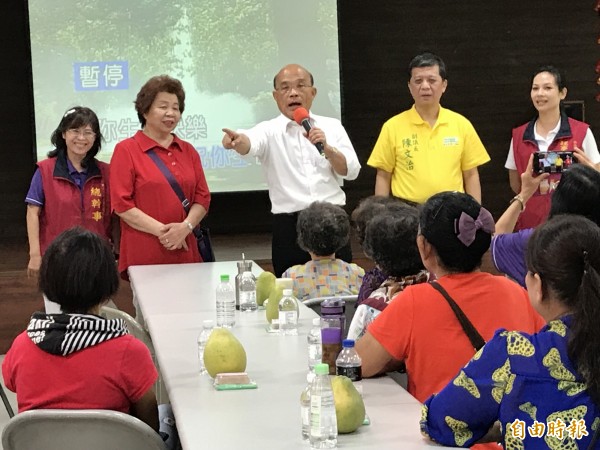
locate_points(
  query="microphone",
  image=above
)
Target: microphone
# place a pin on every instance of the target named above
(301, 117)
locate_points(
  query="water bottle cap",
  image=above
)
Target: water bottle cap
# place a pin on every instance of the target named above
(284, 283)
(333, 307)
(225, 278)
(348, 343)
(207, 323)
(317, 322)
(322, 369)
(287, 292)
(244, 266)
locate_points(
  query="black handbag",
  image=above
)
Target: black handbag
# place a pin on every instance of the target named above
(201, 233)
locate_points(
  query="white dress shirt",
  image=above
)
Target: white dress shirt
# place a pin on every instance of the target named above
(297, 174)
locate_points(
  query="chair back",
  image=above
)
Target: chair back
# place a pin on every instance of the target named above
(139, 332)
(134, 328)
(67, 429)
(349, 310)
(6, 402)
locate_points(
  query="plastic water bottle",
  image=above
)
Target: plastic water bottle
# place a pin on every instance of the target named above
(242, 266)
(248, 292)
(225, 303)
(323, 422)
(305, 407)
(288, 313)
(314, 344)
(207, 327)
(349, 364)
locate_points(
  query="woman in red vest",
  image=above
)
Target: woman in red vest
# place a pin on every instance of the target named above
(68, 188)
(550, 130)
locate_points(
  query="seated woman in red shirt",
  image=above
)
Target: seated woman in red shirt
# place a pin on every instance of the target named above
(419, 327)
(78, 359)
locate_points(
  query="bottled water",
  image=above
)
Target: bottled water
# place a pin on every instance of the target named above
(314, 344)
(225, 303)
(349, 364)
(288, 313)
(242, 266)
(207, 327)
(248, 292)
(323, 422)
(305, 407)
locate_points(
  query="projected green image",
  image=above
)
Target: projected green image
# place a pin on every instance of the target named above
(225, 52)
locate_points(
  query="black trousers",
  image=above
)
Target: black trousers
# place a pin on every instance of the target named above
(285, 251)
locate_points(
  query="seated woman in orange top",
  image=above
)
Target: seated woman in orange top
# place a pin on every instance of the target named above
(419, 327)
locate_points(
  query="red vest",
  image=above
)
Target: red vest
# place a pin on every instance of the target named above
(570, 134)
(66, 205)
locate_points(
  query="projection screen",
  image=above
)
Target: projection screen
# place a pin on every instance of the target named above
(226, 52)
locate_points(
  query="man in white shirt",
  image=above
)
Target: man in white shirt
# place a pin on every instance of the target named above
(297, 174)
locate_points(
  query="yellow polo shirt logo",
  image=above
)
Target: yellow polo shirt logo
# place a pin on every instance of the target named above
(451, 141)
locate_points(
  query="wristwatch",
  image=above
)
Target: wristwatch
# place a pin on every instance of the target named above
(518, 198)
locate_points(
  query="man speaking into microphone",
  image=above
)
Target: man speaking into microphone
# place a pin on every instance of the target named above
(297, 172)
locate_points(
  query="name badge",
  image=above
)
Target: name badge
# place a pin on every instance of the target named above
(450, 141)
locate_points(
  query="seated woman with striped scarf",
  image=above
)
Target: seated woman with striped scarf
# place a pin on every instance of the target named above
(77, 359)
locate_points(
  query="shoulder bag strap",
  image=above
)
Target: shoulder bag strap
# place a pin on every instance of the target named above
(476, 340)
(171, 179)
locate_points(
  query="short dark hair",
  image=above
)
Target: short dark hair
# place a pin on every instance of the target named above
(578, 193)
(427, 59)
(565, 253)
(322, 228)
(154, 86)
(437, 222)
(78, 271)
(370, 207)
(391, 242)
(76, 117)
(555, 72)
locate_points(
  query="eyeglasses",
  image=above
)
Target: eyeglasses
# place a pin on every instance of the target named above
(286, 89)
(87, 134)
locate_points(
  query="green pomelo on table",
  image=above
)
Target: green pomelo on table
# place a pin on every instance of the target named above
(224, 353)
(272, 308)
(264, 285)
(349, 405)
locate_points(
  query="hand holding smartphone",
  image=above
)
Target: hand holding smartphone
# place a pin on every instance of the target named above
(553, 161)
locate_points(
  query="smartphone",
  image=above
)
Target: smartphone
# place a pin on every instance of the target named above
(553, 162)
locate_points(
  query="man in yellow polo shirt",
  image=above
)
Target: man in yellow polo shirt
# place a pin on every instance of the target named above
(427, 149)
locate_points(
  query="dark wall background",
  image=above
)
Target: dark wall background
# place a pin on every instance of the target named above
(490, 49)
(16, 121)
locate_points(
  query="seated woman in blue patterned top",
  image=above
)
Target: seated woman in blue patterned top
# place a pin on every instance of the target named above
(323, 229)
(544, 389)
